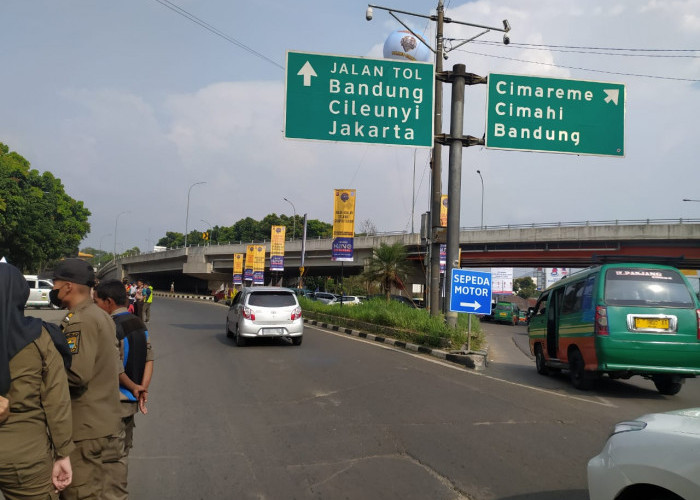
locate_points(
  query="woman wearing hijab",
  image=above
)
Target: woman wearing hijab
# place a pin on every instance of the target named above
(35, 435)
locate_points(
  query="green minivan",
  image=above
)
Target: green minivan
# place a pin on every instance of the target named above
(620, 320)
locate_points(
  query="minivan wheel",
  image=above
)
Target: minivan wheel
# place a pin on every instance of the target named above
(669, 385)
(229, 334)
(297, 340)
(540, 362)
(580, 378)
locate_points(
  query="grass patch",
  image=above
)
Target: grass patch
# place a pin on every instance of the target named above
(398, 321)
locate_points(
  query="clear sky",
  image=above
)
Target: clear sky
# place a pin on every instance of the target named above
(130, 103)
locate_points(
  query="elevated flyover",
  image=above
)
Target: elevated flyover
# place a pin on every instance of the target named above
(573, 244)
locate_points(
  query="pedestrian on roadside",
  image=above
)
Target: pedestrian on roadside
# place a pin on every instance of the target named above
(93, 377)
(172, 287)
(138, 305)
(137, 360)
(147, 301)
(35, 407)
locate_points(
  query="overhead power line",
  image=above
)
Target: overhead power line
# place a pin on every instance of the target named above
(611, 51)
(581, 69)
(188, 15)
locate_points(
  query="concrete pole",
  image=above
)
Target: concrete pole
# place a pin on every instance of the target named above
(454, 182)
(436, 164)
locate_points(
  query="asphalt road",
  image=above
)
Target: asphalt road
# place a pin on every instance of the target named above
(339, 417)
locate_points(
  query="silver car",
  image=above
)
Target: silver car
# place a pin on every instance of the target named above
(656, 456)
(265, 311)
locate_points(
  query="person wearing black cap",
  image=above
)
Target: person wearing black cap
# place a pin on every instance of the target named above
(93, 377)
(35, 433)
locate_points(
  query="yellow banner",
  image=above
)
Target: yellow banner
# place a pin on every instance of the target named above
(249, 256)
(277, 237)
(258, 258)
(344, 213)
(237, 263)
(443, 210)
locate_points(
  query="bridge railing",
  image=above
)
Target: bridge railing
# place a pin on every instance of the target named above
(616, 222)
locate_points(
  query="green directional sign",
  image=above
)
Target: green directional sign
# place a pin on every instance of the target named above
(356, 99)
(530, 113)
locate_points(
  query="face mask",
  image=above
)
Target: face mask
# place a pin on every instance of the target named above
(53, 297)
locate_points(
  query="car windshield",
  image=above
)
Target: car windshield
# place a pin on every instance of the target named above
(646, 287)
(503, 306)
(272, 299)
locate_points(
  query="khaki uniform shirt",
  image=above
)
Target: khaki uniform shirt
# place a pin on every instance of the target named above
(39, 401)
(94, 373)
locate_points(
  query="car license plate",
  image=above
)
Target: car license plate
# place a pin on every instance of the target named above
(503, 315)
(273, 331)
(656, 323)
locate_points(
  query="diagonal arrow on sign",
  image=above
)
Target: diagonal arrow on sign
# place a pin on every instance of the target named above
(474, 305)
(612, 95)
(307, 71)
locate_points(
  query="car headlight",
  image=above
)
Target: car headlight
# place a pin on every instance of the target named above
(632, 425)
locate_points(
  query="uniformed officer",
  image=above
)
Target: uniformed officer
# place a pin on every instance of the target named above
(35, 426)
(93, 377)
(137, 359)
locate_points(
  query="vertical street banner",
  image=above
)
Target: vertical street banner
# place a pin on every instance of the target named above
(277, 248)
(248, 269)
(237, 268)
(443, 258)
(443, 210)
(259, 265)
(343, 225)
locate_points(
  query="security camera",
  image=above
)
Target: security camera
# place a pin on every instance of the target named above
(368, 14)
(506, 25)
(506, 39)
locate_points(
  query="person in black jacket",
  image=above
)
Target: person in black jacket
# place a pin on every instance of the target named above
(137, 358)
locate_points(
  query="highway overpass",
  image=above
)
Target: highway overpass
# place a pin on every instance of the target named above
(573, 244)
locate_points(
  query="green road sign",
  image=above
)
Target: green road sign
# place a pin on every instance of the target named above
(530, 113)
(355, 99)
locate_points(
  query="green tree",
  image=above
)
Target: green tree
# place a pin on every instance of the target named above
(171, 240)
(524, 287)
(39, 222)
(388, 267)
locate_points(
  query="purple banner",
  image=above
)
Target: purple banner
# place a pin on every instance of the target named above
(343, 249)
(258, 278)
(276, 262)
(237, 279)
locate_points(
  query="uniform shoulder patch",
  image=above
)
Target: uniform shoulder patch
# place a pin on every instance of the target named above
(73, 339)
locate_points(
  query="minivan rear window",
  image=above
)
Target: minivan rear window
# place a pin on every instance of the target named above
(646, 287)
(272, 299)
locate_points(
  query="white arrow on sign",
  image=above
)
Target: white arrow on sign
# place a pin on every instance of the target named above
(307, 72)
(474, 304)
(612, 95)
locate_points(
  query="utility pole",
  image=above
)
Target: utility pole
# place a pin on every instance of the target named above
(437, 234)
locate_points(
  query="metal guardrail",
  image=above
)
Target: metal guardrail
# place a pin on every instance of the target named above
(533, 225)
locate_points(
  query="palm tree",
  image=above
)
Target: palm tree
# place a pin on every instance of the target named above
(389, 267)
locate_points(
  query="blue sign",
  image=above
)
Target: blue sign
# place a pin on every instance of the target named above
(470, 291)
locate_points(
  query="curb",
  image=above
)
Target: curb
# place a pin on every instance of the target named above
(474, 360)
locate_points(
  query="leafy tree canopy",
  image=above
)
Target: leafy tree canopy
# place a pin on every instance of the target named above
(524, 287)
(249, 229)
(39, 222)
(388, 267)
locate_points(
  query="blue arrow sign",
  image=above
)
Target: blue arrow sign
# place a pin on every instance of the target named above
(470, 291)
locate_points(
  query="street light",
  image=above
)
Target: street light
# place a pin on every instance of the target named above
(482, 198)
(187, 216)
(114, 255)
(294, 223)
(211, 226)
